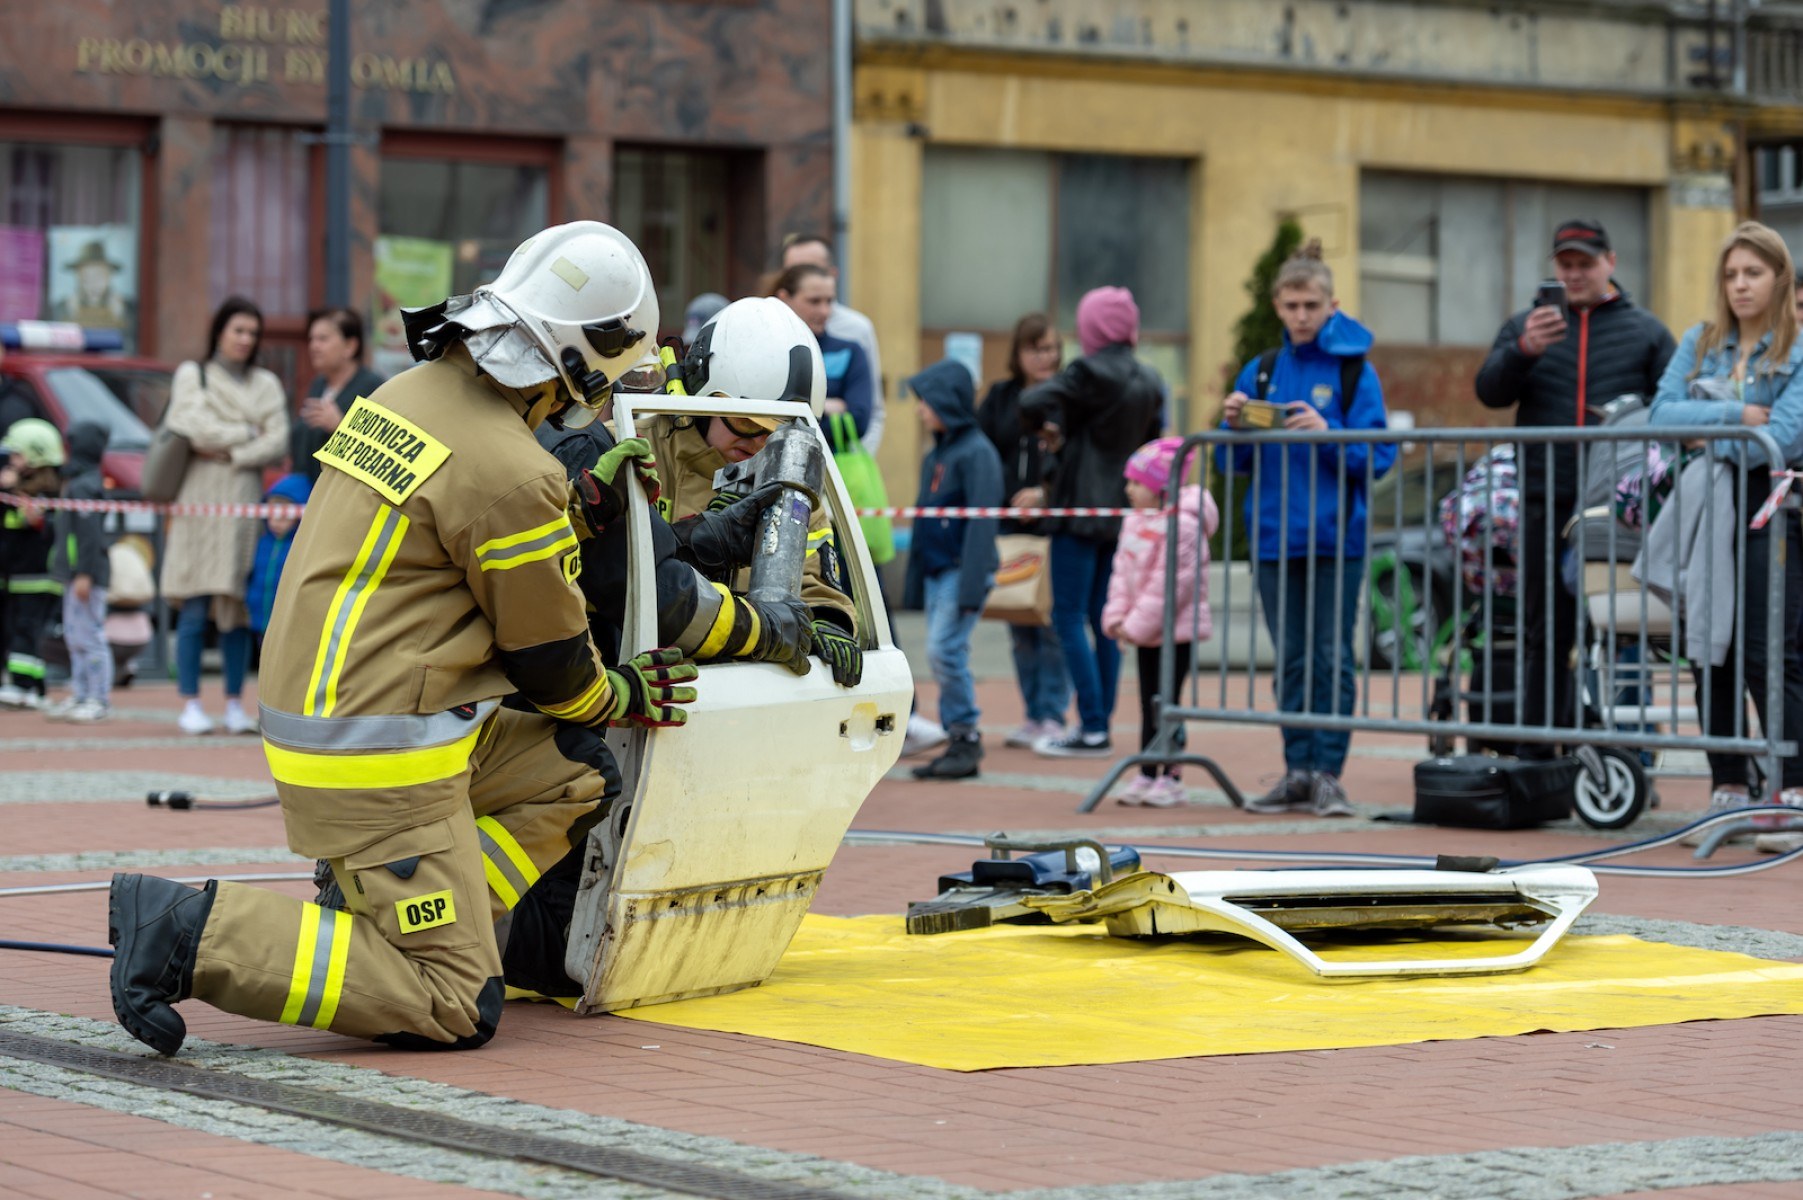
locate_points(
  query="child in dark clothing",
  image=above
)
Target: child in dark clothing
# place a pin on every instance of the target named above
(273, 545)
(78, 561)
(952, 563)
(30, 454)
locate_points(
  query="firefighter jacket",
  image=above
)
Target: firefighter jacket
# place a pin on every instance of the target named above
(434, 574)
(686, 466)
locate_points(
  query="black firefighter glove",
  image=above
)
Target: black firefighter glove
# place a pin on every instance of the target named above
(839, 650)
(646, 690)
(601, 489)
(776, 631)
(721, 540)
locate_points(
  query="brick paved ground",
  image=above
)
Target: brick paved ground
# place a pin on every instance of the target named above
(1701, 1111)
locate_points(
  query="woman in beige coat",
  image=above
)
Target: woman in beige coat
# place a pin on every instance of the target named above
(235, 416)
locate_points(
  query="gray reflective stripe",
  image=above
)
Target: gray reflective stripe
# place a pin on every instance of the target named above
(407, 732)
(707, 608)
(491, 850)
(391, 523)
(332, 926)
(494, 558)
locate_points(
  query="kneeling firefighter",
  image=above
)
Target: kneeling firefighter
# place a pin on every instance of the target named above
(754, 349)
(435, 575)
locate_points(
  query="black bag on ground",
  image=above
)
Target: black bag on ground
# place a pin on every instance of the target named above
(1477, 791)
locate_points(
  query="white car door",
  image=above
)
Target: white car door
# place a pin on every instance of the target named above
(700, 877)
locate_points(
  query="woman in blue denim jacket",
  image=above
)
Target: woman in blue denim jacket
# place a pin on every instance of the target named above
(1745, 368)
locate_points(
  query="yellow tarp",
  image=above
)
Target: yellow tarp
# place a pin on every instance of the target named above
(1024, 996)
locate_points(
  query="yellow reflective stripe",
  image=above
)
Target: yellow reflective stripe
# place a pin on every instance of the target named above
(571, 708)
(357, 607)
(817, 536)
(498, 884)
(509, 870)
(346, 772)
(751, 635)
(381, 542)
(334, 985)
(303, 964)
(721, 629)
(533, 545)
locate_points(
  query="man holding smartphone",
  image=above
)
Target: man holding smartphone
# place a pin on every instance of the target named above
(1558, 365)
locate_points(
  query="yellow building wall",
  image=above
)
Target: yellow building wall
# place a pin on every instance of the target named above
(1263, 146)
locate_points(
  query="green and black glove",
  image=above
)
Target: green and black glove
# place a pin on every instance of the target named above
(721, 540)
(646, 688)
(601, 489)
(840, 651)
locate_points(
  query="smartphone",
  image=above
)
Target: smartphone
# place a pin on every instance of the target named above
(1552, 292)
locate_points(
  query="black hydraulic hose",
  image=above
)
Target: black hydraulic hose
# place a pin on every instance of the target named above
(186, 800)
(57, 948)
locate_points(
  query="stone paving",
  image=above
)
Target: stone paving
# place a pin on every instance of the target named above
(1702, 1111)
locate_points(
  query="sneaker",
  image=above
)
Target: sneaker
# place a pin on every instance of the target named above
(32, 700)
(1778, 843)
(1137, 789)
(1327, 798)
(238, 721)
(922, 735)
(1166, 792)
(88, 712)
(1075, 744)
(1720, 801)
(1292, 794)
(59, 710)
(194, 722)
(1788, 798)
(962, 754)
(1024, 734)
(11, 696)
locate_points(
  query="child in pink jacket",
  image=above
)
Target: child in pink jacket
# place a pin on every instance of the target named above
(1134, 612)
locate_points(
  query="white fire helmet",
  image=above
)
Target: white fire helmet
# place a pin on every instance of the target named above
(583, 294)
(757, 349)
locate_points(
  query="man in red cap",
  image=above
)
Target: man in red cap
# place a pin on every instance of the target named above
(1560, 366)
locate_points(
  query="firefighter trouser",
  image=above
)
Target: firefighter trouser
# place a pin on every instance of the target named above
(414, 962)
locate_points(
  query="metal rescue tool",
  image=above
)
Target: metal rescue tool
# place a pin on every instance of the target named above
(1271, 907)
(791, 458)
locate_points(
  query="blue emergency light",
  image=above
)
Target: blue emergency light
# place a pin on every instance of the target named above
(64, 336)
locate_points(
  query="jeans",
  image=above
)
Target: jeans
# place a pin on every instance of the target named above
(1039, 666)
(191, 635)
(84, 633)
(1305, 665)
(1080, 571)
(948, 652)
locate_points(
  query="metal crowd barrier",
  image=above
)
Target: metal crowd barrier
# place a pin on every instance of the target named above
(1632, 684)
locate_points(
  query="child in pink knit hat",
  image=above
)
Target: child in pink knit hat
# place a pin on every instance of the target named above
(1135, 611)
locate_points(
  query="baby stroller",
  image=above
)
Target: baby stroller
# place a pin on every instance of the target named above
(1482, 519)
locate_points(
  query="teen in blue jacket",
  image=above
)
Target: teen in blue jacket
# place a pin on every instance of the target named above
(1303, 523)
(952, 560)
(273, 545)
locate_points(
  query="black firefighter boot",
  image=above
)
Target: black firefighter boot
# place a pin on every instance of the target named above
(154, 927)
(963, 752)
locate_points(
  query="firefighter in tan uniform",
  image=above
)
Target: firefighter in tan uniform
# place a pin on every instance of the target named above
(435, 575)
(730, 357)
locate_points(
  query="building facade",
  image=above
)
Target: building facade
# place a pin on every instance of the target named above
(1008, 157)
(156, 157)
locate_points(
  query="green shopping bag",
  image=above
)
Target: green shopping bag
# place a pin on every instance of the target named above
(864, 482)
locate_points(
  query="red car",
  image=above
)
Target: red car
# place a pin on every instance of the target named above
(60, 374)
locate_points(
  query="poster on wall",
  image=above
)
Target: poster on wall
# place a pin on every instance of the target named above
(21, 273)
(92, 277)
(410, 272)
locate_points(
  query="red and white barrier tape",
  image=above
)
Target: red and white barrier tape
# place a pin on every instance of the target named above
(295, 510)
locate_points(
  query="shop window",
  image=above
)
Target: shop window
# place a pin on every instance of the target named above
(69, 234)
(447, 225)
(1007, 232)
(673, 205)
(261, 242)
(1443, 260)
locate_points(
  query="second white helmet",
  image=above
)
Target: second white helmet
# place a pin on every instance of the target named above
(583, 294)
(757, 349)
